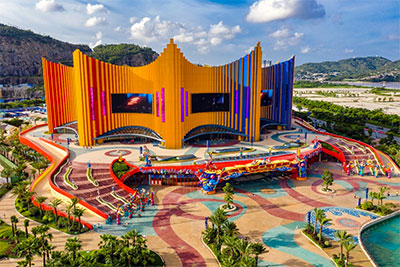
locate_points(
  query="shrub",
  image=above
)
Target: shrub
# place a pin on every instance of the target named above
(367, 205)
(120, 168)
(384, 210)
(34, 211)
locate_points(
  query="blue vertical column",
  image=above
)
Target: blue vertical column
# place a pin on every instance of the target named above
(283, 108)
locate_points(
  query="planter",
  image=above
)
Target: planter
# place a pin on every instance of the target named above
(228, 210)
(332, 191)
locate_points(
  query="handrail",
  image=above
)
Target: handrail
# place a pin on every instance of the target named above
(339, 155)
(343, 137)
(51, 170)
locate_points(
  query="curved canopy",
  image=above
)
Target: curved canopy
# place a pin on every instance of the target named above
(211, 129)
(131, 131)
(73, 126)
(265, 123)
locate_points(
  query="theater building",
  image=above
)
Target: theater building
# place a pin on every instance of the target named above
(170, 100)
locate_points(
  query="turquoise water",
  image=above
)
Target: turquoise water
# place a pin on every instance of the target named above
(382, 240)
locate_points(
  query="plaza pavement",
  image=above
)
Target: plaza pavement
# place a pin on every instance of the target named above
(274, 218)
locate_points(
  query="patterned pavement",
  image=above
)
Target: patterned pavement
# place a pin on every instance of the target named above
(270, 211)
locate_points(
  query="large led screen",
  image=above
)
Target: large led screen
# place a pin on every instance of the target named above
(132, 103)
(210, 102)
(266, 97)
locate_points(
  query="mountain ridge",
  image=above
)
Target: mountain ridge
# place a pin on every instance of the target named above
(21, 53)
(359, 68)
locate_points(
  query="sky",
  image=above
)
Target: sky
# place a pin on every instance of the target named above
(216, 32)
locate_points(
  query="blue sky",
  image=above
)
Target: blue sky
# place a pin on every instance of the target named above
(216, 32)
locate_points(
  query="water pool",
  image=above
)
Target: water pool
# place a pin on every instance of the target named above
(382, 240)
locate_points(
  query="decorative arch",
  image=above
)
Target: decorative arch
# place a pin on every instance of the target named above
(127, 131)
(73, 126)
(211, 129)
(265, 123)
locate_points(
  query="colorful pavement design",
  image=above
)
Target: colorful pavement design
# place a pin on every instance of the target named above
(282, 238)
(269, 211)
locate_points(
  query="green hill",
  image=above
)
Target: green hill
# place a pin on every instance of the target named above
(124, 54)
(362, 68)
(21, 53)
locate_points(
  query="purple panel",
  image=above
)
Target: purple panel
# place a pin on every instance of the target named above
(237, 102)
(248, 102)
(92, 102)
(162, 105)
(187, 103)
(103, 102)
(182, 105)
(157, 104)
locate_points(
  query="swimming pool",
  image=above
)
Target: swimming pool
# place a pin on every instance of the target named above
(382, 241)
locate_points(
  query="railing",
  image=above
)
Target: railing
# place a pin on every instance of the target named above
(342, 137)
(339, 155)
(51, 171)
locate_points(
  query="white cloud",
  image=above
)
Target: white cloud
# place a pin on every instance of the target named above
(132, 19)
(149, 30)
(117, 29)
(281, 33)
(99, 35)
(91, 45)
(91, 9)
(271, 10)
(49, 6)
(305, 49)
(285, 38)
(348, 51)
(94, 21)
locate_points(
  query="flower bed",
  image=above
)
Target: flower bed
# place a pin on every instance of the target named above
(67, 181)
(90, 177)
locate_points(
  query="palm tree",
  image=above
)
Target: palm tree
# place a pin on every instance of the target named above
(257, 249)
(230, 243)
(28, 248)
(218, 219)
(343, 236)
(69, 210)
(229, 192)
(74, 201)
(372, 195)
(318, 213)
(348, 246)
(381, 194)
(35, 231)
(26, 224)
(14, 221)
(230, 229)
(41, 200)
(44, 239)
(7, 173)
(73, 245)
(28, 198)
(57, 259)
(20, 190)
(78, 213)
(322, 222)
(132, 235)
(54, 204)
(109, 244)
(243, 246)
